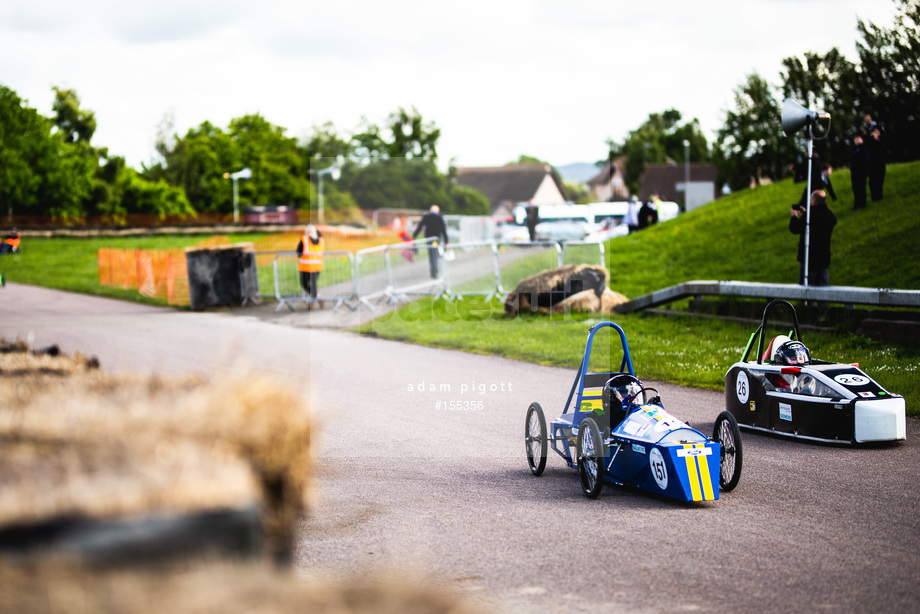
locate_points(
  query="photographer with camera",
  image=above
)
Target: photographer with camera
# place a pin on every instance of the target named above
(821, 224)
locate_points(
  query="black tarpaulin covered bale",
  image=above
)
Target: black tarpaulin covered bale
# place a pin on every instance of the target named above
(216, 274)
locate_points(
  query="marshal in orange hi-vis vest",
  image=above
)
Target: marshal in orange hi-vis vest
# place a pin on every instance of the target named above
(311, 261)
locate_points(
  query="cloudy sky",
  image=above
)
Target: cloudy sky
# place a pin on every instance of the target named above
(547, 78)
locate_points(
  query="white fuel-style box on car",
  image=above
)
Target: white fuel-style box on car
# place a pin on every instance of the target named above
(785, 391)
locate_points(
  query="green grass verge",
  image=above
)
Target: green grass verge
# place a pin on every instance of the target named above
(679, 349)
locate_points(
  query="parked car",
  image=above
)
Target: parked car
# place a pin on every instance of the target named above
(607, 231)
(511, 231)
(563, 230)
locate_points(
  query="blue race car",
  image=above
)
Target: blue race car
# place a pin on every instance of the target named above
(614, 430)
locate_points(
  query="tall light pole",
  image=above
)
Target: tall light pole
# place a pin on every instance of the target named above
(243, 174)
(686, 173)
(331, 170)
(794, 117)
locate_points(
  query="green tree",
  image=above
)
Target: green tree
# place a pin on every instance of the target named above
(156, 198)
(889, 78)
(76, 125)
(325, 143)
(659, 139)
(278, 173)
(196, 163)
(750, 146)
(827, 82)
(406, 135)
(468, 201)
(40, 174)
(398, 183)
(524, 159)
(577, 192)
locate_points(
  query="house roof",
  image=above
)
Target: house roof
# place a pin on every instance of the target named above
(515, 182)
(604, 176)
(663, 178)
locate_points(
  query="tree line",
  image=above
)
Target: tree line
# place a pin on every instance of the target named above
(750, 146)
(50, 167)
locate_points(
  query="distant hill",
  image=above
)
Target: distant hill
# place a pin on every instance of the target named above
(578, 172)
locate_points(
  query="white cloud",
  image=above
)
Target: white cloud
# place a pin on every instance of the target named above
(501, 79)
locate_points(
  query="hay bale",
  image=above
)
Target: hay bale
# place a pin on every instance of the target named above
(587, 300)
(111, 468)
(79, 446)
(567, 288)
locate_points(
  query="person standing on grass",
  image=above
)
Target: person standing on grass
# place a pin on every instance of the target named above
(859, 171)
(310, 263)
(821, 225)
(878, 155)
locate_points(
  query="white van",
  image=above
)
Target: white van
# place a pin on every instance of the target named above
(600, 213)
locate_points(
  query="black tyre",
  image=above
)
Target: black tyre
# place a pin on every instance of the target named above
(590, 453)
(535, 439)
(728, 435)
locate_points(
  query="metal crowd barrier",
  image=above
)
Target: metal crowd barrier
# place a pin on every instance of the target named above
(396, 272)
(393, 272)
(249, 278)
(415, 268)
(371, 275)
(518, 261)
(579, 252)
(336, 282)
(472, 270)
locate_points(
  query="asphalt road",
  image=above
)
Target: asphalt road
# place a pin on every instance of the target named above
(445, 496)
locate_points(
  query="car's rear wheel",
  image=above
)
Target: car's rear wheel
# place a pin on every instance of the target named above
(535, 439)
(590, 454)
(728, 435)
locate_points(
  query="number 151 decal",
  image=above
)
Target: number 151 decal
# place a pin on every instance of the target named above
(659, 469)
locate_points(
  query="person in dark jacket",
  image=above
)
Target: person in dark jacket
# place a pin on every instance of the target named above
(821, 225)
(859, 171)
(648, 215)
(532, 219)
(434, 227)
(820, 179)
(877, 163)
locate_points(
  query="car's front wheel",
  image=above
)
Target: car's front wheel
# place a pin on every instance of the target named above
(535, 439)
(727, 433)
(590, 454)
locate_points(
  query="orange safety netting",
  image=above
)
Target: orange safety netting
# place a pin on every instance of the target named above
(156, 273)
(162, 273)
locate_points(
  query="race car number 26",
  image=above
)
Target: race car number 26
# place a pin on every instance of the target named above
(742, 387)
(851, 379)
(659, 469)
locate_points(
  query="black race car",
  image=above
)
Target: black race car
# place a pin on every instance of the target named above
(785, 391)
